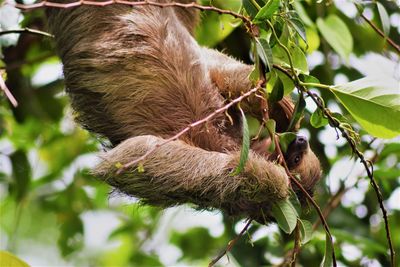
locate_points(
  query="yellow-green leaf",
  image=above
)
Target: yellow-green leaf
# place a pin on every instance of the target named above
(244, 153)
(9, 260)
(336, 33)
(374, 102)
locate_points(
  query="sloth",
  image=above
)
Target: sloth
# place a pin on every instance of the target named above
(136, 76)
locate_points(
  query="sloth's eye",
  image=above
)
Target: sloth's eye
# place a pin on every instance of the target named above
(297, 159)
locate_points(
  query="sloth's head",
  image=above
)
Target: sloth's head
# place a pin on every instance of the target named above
(303, 163)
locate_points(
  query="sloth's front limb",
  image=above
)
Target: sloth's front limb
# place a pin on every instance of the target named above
(176, 173)
(231, 77)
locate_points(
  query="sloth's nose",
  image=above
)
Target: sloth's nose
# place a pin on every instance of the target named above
(301, 139)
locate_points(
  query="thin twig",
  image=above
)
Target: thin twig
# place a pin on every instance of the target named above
(333, 203)
(367, 164)
(368, 167)
(297, 244)
(379, 31)
(190, 126)
(130, 3)
(316, 207)
(230, 245)
(27, 30)
(7, 92)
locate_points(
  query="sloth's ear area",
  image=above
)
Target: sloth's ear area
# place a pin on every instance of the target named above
(282, 112)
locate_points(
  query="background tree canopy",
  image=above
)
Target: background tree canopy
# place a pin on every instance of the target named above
(339, 60)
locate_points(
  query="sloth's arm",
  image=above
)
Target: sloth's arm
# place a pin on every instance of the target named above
(176, 173)
(229, 75)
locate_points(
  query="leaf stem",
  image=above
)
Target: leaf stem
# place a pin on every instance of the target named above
(286, 51)
(317, 85)
(255, 4)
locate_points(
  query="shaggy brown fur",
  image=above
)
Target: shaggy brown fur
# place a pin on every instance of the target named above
(137, 76)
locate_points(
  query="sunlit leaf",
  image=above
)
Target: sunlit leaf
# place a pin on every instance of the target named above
(336, 33)
(9, 260)
(301, 12)
(214, 28)
(374, 102)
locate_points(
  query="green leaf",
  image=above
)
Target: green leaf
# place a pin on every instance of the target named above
(271, 126)
(368, 246)
(308, 78)
(384, 17)
(296, 23)
(250, 8)
(285, 215)
(21, 173)
(318, 119)
(9, 260)
(303, 14)
(298, 112)
(267, 11)
(71, 236)
(277, 91)
(214, 28)
(264, 51)
(327, 261)
(306, 231)
(244, 153)
(254, 125)
(313, 40)
(285, 139)
(336, 33)
(374, 102)
(298, 58)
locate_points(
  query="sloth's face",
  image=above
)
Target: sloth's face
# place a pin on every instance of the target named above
(296, 152)
(303, 163)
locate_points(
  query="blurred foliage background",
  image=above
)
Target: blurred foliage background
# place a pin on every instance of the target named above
(54, 213)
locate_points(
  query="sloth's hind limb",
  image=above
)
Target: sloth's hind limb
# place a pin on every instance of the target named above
(176, 173)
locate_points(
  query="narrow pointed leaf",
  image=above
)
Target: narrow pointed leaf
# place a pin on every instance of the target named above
(271, 126)
(250, 8)
(244, 153)
(384, 18)
(327, 261)
(296, 23)
(267, 11)
(265, 52)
